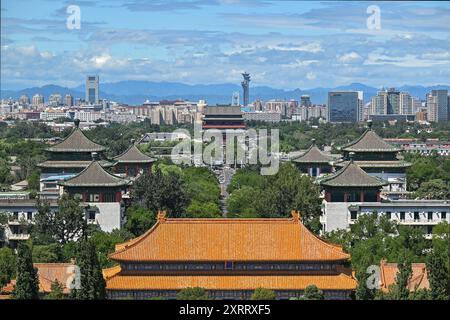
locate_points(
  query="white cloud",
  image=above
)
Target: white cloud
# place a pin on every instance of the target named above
(311, 75)
(350, 57)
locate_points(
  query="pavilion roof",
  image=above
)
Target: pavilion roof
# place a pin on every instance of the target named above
(76, 141)
(369, 141)
(220, 239)
(351, 176)
(313, 155)
(133, 155)
(94, 175)
(418, 280)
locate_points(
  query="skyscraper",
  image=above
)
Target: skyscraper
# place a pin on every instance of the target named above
(441, 104)
(305, 101)
(69, 100)
(245, 86)
(406, 103)
(37, 100)
(92, 89)
(343, 106)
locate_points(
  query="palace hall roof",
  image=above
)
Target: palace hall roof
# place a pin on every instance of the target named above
(71, 164)
(418, 280)
(340, 281)
(47, 274)
(94, 176)
(369, 142)
(313, 155)
(283, 239)
(133, 155)
(76, 142)
(351, 176)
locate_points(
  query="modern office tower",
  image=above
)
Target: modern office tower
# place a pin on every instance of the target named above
(406, 103)
(441, 104)
(246, 87)
(258, 105)
(55, 99)
(379, 103)
(92, 89)
(417, 105)
(37, 100)
(24, 100)
(69, 100)
(343, 106)
(432, 111)
(305, 101)
(360, 106)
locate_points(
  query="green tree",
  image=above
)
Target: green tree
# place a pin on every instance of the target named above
(439, 277)
(56, 292)
(198, 209)
(157, 191)
(47, 253)
(243, 202)
(400, 290)
(105, 243)
(139, 220)
(33, 180)
(8, 265)
(433, 189)
(313, 293)
(64, 225)
(195, 293)
(92, 282)
(263, 294)
(27, 282)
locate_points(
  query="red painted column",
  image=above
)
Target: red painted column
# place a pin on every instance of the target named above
(361, 196)
(378, 197)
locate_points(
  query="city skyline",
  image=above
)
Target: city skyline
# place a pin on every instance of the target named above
(284, 44)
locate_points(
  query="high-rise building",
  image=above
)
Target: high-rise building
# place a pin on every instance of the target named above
(406, 103)
(55, 99)
(305, 101)
(441, 104)
(69, 100)
(37, 100)
(246, 87)
(432, 112)
(344, 106)
(92, 89)
(24, 100)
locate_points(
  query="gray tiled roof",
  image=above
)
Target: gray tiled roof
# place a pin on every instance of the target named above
(352, 176)
(133, 155)
(369, 142)
(313, 155)
(76, 142)
(376, 164)
(70, 164)
(95, 176)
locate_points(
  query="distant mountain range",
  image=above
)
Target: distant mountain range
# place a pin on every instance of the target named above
(136, 92)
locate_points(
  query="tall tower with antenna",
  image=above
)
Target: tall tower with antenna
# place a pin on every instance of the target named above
(246, 87)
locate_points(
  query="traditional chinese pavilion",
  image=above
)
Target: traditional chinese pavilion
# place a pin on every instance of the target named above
(378, 158)
(229, 258)
(95, 184)
(132, 162)
(352, 184)
(314, 162)
(69, 157)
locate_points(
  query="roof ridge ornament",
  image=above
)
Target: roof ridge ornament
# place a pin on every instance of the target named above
(369, 124)
(77, 123)
(295, 215)
(162, 216)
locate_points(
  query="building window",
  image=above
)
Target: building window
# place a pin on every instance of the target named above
(29, 216)
(91, 215)
(416, 216)
(94, 197)
(402, 216)
(388, 215)
(228, 265)
(443, 215)
(16, 215)
(429, 229)
(430, 216)
(353, 215)
(109, 197)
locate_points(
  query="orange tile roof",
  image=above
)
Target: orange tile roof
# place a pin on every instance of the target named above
(48, 273)
(231, 282)
(228, 240)
(419, 278)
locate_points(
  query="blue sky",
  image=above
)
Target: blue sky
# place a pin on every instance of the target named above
(283, 44)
